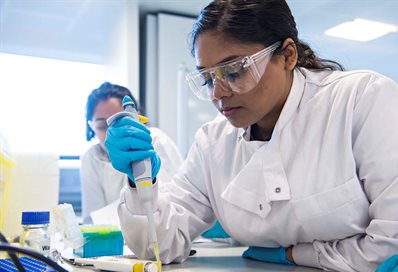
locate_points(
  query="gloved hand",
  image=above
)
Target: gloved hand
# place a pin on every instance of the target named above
(389, 265)
(216, 231)
(128, 141)
(267, 254)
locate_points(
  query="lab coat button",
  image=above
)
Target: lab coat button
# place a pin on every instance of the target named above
(277, 190)
(260, 207)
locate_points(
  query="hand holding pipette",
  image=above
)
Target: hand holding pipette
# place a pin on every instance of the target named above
(130, 142)
(140, 161)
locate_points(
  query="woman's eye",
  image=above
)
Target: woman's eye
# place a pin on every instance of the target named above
(207, 80)
(233, 72)
(208, 83)
(232, 76)
(101, 128)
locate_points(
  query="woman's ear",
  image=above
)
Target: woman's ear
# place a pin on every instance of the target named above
(289, 53)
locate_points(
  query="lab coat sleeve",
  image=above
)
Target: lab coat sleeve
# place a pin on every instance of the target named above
(168, 152)
(93, 196)
(375, 149)
(181, 213)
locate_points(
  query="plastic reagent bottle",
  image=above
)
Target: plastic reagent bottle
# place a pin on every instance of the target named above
(35, 233)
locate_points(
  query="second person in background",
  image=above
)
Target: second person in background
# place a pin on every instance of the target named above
(101, 183)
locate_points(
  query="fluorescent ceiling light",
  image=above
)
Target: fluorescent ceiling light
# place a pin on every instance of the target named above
(361, 30)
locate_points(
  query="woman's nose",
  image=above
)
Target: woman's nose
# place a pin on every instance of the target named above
(221, 89)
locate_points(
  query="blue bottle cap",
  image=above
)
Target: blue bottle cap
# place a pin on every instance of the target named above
(35, 218)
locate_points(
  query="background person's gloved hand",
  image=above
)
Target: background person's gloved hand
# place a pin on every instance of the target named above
(389, 265)
(267, 254)
(216, 231)
(128, 141)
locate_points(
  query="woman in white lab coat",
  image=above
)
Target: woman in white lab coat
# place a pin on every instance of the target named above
(101, 183)
(302, 164)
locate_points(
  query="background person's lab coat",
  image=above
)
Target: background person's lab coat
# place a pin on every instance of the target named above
(101, 183)
(326, 182)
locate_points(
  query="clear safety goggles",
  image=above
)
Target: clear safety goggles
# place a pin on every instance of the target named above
(238, 75)
(98, 125)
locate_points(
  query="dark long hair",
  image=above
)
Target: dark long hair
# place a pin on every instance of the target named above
(257, 21)
(104, 92)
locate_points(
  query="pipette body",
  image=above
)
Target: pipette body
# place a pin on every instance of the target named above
(143, 178)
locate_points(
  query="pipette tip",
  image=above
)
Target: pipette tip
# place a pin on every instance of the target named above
(157, 256)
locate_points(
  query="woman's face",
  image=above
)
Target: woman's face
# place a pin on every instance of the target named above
(263, 103)
(103, 111)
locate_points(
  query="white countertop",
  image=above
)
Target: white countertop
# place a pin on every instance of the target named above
(227, 259)
(224, 258)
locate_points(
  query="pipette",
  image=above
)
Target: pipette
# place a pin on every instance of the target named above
(143, 177)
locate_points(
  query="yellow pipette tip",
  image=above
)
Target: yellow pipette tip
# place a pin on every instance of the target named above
(157, 256)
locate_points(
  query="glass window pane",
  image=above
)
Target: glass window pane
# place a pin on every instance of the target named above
(42, 103)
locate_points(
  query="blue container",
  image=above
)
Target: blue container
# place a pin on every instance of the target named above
(101, 240)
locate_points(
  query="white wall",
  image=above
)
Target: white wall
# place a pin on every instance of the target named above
(121, 58)
(178, 112)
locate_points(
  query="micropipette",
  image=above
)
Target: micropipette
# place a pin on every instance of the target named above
(143, 177)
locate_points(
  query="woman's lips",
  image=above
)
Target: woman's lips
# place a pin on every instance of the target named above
(229, 111)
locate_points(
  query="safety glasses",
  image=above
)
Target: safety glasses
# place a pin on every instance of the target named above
(98, 125)
(238, 75)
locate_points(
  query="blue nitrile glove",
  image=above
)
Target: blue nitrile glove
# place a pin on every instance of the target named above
(128, 141)
(389, 265)
(216, 231)
(267, 254)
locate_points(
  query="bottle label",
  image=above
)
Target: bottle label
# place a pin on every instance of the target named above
(45, 248)
(42, 246)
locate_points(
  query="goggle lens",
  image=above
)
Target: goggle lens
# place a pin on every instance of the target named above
(239, 76)
(98, 125)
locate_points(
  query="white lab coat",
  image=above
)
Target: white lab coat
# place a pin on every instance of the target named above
(326, 182)
(101, 183)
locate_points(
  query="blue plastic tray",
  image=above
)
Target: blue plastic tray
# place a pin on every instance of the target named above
(30, 265)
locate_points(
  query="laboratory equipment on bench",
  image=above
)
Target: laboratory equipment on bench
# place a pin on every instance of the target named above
(35, 233)
(66, 223)
(101, 240)
(118, 263)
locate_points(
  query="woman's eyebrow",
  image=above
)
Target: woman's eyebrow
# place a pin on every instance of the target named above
(221, 61)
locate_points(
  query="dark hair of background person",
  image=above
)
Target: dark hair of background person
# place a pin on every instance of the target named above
(102, 93)
(257, 21)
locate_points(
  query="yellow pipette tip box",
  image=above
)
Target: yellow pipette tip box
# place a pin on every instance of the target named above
(100, 240)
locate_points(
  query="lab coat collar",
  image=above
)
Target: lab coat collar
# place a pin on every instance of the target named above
(289, 109)
(245, 133)
(254, 193)
(293, 100)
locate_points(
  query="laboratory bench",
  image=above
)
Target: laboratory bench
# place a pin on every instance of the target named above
(227, 258)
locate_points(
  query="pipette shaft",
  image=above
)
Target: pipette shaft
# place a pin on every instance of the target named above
(143, 180)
